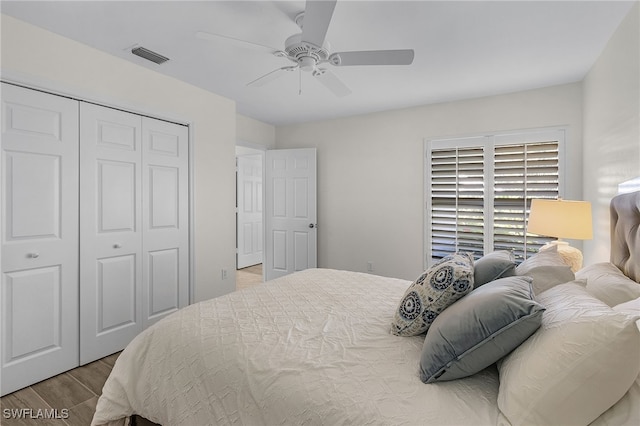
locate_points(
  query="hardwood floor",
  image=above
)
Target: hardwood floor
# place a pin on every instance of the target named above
(248, 277)
(71, 397)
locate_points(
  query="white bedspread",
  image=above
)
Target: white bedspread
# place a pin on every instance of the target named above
(310, 348)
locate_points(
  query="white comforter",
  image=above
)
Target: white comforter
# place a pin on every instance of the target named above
(310, 348)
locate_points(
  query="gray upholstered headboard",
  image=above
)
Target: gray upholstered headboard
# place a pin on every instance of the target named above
(625, 234)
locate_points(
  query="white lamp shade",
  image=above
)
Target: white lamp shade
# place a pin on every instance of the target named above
(561, 219)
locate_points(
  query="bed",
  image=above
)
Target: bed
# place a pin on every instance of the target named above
(316, 347)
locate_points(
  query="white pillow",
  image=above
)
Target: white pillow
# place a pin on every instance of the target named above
(580, 362)
(547, 276)
(631, 307)
(624, 412)
(607, 283)
(547, 257)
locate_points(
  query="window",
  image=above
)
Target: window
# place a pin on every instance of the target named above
(478, 191)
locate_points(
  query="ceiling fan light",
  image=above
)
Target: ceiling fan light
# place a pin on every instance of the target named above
(307, 63)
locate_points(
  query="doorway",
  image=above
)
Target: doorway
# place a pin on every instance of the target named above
(249, 216)
(285, 231)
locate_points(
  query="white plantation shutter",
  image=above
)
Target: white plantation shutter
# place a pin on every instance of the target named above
(457, 200)
(478, 192)
(522, 172)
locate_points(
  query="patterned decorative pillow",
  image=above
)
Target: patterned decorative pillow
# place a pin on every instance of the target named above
(433, 291)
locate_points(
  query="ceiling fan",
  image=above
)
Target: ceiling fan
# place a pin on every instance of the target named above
(309, 51)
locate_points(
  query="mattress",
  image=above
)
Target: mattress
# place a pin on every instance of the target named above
(313, 347)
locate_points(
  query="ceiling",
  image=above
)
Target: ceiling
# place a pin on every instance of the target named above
(463, 49)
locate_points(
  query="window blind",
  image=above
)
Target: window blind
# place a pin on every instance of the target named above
(457, 200)
(522, 172)
(479, 192)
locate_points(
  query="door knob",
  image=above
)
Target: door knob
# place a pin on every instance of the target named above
(313, 225)
(33, 255)
(117, 245)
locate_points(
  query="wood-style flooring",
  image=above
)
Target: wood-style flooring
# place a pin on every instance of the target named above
(72, 396)
(248, 277)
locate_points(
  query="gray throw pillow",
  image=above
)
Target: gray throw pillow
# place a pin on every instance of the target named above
(480, 329)
(434, 290)
(490, 267)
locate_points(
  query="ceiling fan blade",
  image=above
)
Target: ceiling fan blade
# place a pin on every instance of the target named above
(270, 76)
(317, 16)
(234, 41)
(372, 57)
(331, 82)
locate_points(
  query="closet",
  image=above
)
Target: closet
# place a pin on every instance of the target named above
(95, 240)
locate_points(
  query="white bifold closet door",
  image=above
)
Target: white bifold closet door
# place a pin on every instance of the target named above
(165, 219)
(133, 226)
(39, 291)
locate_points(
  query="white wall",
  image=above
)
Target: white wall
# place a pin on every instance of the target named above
(611, 128)
(254, 133)
(37, 57)
(370, 170)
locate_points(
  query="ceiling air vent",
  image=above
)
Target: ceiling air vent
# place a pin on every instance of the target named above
(149, 55)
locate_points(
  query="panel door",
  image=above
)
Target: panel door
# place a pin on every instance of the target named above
(165, 223)
(39, 289)
(290, 211)
(110, 230)
(249, 210)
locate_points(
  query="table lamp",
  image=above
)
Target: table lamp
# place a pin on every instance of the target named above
(562, 219)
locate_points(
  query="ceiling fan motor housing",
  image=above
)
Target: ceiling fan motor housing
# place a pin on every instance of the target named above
(309, 50)
(307, 55)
